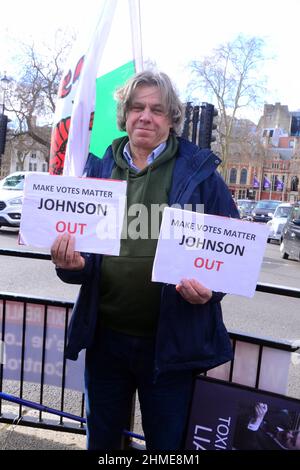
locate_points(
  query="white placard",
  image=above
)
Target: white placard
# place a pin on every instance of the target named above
(91, 209)
(223, 254)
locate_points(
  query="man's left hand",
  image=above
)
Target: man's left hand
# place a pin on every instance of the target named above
(193, 292)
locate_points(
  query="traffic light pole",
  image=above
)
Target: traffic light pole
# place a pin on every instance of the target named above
(201, 119)
(207, 125)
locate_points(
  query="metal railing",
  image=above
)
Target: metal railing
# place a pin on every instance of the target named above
(28, 325)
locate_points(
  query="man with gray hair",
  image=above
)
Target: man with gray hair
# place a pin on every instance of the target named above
(139, 335)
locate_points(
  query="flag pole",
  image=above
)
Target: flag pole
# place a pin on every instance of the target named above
(136, 33)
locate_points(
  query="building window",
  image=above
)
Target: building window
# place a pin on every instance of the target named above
(242, 194)
(294, 183)
(273, 182)
(45, 167)
(295, 125)
(232, 176)
(243, 177)
(33, 156)
(32, 166)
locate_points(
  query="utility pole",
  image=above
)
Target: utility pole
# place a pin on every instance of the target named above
(3, 118)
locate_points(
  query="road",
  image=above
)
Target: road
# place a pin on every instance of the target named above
(33, 277)
(263, 315)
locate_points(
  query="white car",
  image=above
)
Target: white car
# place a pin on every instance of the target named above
(278, 221)
(11, 198)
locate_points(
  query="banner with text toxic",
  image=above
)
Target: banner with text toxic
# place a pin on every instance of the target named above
(91, 209)
(223, 254)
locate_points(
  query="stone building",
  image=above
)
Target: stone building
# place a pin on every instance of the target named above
(270, 168)
(22, 153)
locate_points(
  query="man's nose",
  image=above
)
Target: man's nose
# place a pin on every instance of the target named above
(146, 114)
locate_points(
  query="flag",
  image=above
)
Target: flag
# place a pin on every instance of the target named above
(266, 183)
(114, 54)
(278, 184)
(255, 182)
(64, 103)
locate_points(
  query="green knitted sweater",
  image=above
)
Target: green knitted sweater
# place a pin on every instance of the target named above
(129, 300)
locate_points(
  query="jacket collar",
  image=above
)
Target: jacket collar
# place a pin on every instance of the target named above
(192, 166)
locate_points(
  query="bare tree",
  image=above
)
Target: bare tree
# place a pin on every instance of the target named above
(230, 78)
(32, 97)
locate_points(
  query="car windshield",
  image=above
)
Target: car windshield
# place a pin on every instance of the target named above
(267, 205)
(15, 182)
(283, 212)
(245, 204)
(295, 215)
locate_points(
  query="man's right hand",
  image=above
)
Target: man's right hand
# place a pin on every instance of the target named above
(63, 254)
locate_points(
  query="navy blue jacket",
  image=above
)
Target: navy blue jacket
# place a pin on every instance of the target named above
(188, 336)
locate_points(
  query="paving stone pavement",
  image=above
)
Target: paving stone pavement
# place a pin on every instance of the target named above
(15, 437)
(19, 437)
